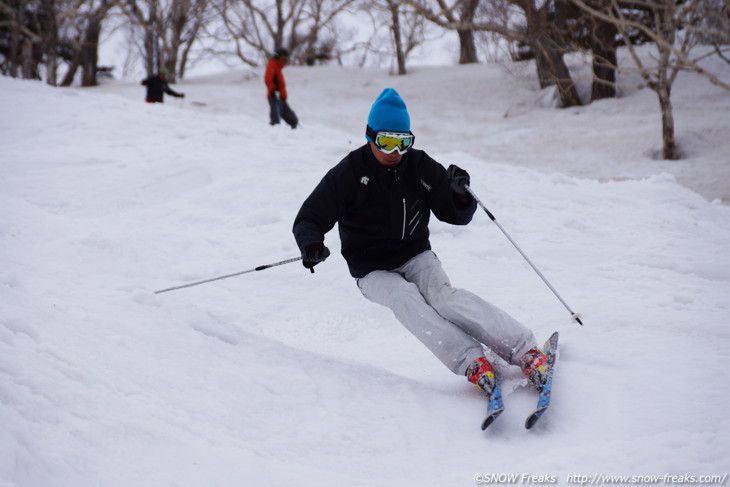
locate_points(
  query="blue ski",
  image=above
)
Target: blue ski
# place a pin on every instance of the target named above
(543, 402)
(496, 405)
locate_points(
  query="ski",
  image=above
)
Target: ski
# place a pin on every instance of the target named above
(543, 402)
(496, 405)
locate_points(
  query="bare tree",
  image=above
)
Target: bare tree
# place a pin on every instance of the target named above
(41, 35)
(546, 40)
(528, 21)
(458, 16)
(251, 29)
(321, 36)
(602, 42)
(167, 30)
(82, 36)
(18, 35)
(143, 16)
(677, 27)
(714, 26)
(393, 8)
(183, 22)
(407, 31)
(49, 23)
(578, 31)
(462, 14)
(31, 28)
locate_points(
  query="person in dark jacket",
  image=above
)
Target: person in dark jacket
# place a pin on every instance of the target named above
(276, 90)
(157, 86)
(382, 195)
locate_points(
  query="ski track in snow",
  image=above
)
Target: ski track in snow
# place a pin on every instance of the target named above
(286, 378)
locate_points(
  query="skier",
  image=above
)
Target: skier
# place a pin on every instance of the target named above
(276, 90)
(381, 195)
(157, 86)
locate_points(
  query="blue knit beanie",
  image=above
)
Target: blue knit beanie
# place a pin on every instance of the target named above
(389, 114)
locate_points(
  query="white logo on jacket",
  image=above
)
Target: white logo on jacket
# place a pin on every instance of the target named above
(364, 180)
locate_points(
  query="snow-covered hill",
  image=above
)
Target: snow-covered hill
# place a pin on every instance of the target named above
(282, 377)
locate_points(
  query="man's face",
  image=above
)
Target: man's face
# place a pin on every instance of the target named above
(389, 160)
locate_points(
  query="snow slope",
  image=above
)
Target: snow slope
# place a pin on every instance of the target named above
(286, 378)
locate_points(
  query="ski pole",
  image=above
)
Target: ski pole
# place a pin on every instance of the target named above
(259, 268)
(574, 316)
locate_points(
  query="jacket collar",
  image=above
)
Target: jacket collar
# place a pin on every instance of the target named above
(394, 172)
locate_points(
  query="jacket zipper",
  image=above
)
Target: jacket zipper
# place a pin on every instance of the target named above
(403, 233)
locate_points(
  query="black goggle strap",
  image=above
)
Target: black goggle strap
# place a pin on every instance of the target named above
(370, 133)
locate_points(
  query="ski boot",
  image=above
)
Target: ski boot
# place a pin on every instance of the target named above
(534, 365)
(481, 373)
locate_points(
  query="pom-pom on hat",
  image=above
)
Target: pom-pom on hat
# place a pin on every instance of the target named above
(389, 114)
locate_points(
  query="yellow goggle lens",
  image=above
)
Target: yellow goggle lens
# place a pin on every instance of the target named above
(392, 142)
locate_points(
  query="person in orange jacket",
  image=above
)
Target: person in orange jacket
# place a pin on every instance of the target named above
(276, 90)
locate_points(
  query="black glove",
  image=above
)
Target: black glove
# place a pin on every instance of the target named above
(459, 179)
(182, 95)
(313, 254)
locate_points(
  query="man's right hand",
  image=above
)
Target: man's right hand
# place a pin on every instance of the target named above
(313, 254)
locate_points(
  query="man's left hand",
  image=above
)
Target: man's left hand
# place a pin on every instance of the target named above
(459, 179)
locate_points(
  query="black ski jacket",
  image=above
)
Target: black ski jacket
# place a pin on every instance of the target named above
(156, 87)
(383, 212)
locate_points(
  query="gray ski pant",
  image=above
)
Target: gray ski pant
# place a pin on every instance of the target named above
(453, 323)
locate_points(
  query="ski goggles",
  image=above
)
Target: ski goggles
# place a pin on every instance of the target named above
(390, 142)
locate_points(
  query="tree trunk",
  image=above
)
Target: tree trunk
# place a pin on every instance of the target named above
(15, 58)
(551, 67)
(68, 78)
(552, 70)
(169, 61)
(400, 56)
(151, 52)
(468, 50)
(90, 53)
(669, 146)
(663, 87)
(604, 60)
(187, 47)
(184, 58)
(51, 68)
(50, 41)
(151, 48)
(168, 58)
(27, 61)
(175, 28)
